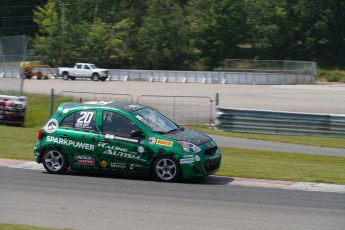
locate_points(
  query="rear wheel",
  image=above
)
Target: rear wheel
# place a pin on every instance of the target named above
(95, 76)
(166, 169)
(65, 76)
(55, 161)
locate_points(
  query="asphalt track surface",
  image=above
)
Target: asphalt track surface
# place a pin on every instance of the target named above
(86, 201)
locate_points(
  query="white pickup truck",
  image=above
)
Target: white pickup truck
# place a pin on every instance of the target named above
(83, 70)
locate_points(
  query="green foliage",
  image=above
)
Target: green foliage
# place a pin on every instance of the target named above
(193, 34)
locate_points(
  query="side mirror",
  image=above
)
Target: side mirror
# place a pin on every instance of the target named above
(137, 134)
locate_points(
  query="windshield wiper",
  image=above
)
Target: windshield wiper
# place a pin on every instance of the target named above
(159, 132)
(173, 130)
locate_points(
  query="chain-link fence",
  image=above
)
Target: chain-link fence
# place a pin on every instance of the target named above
(12, 53)
(286, 66)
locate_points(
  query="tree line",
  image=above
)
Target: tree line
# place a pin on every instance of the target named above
(187, 34)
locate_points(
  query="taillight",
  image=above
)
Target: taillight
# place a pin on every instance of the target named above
(40, 134)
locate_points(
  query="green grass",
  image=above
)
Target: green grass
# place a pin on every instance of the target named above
(303, 140)
(331, 75)
(23, 227)
(282, 166)
(17, 142)
(38, 108)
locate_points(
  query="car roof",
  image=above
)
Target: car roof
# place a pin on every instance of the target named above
(120, 105)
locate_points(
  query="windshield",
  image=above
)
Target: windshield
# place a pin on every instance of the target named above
(93, 66)
(155, 121)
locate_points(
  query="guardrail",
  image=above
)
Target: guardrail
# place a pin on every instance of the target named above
(12, 110)
(279, 122)
(205, 77)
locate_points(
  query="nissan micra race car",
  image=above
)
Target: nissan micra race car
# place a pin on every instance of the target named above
(123, 137)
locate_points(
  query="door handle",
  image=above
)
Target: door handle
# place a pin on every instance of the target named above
(64, 136)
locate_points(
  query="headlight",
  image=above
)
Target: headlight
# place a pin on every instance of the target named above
(189, 147)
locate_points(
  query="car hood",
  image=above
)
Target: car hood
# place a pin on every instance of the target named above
(191, 136)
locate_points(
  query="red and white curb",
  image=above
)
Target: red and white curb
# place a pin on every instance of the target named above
(238, 181)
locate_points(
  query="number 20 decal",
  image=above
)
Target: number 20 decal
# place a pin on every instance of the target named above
(86, 117)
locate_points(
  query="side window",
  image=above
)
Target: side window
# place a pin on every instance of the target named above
(68, 121)
(84, 119)
(86, 67)
(115, 123)
(78, 66)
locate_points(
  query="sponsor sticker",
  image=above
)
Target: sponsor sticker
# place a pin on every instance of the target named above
(51, 126)
(132, 107)
(97, 102)
(186, 160)
(84, 160)
(164, 143)
(118, 165)
(104, 164)
(113, 137)
(141, 149)
(152, 140)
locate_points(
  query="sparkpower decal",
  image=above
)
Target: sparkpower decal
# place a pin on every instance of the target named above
(66, 142)
(164, 143)
(51, 126)
(84, 160)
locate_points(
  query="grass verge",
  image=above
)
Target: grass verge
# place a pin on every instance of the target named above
(303, 140)
(236, 162)
(282, 166)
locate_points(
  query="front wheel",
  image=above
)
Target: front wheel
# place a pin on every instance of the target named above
(95, 76)
(65, 76)
(166, 169)
(55, 161)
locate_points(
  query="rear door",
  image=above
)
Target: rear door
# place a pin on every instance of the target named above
(78, 137)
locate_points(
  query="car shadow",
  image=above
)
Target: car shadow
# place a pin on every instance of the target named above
(208, 180)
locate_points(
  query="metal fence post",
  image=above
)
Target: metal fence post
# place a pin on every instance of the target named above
(217, 99)
(51, 102)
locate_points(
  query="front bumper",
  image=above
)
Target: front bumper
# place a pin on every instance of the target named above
(207, 165)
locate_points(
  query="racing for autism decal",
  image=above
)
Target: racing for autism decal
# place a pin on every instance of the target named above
(51, 126)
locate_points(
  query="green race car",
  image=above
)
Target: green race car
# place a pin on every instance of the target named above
(123, 137)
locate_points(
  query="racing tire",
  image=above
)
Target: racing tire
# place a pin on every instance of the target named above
(55, 161)
(95, 76)
(166, 169)
(65, 76)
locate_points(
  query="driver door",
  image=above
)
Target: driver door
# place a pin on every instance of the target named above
(122, 152)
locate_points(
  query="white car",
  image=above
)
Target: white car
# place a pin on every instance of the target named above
(83, 70)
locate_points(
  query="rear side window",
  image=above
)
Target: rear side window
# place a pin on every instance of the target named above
(84, 119)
